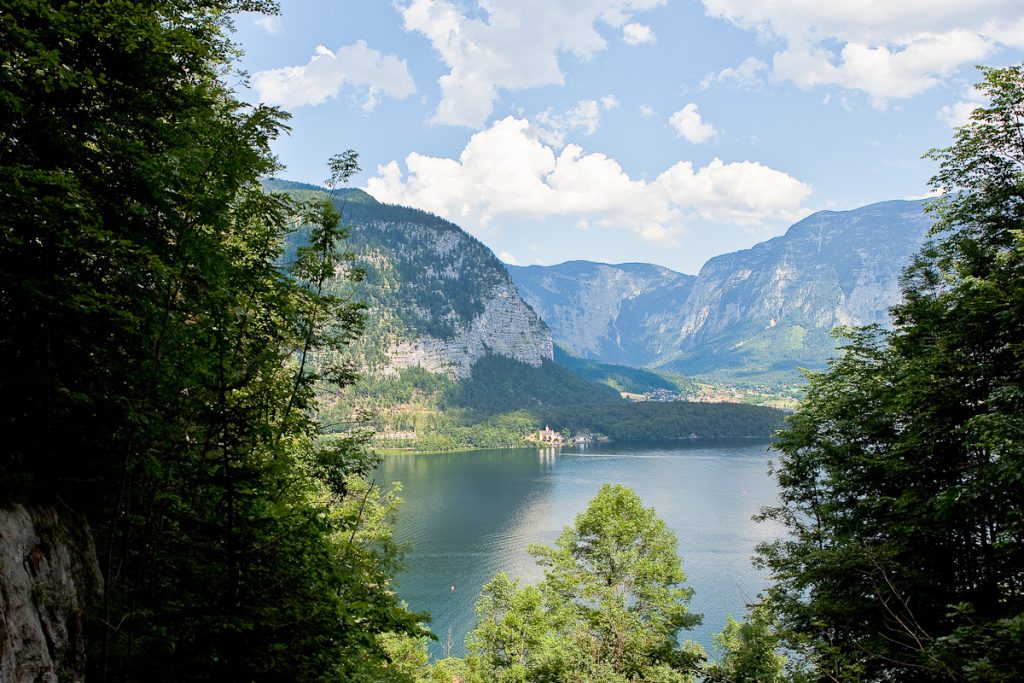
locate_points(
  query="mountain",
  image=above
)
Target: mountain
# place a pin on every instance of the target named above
(611, 313)
(752, 316)
(436, 297)
(453, 357)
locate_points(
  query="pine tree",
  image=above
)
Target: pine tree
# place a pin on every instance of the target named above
(902, 473)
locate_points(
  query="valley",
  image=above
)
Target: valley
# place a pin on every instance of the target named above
(461, 351)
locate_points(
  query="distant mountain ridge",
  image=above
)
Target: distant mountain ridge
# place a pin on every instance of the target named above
(750, 316)
(604, 312)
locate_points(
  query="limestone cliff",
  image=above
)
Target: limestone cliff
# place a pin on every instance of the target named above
(614, 313)
(770, 309)
(505, 327)
(753, 315)
(48, 573)
(437, 298)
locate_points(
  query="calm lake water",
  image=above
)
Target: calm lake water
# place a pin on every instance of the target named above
(468, 516)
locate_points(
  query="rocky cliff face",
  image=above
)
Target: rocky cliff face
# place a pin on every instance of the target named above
(771, 309)
(437, 298)
(615, 313)
(753, 315)
(505, 327)
(48, 572)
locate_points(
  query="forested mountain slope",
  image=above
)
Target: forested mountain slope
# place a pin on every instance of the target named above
(437, 298)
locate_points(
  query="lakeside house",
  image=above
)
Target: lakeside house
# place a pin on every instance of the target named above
(548, 436)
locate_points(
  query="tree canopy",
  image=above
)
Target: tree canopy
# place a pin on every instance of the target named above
(155, 354)
(902, 473)
(611, 606)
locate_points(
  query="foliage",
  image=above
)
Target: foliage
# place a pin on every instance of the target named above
(155, 357)
(902, 473)
(414, 409)
(498, 385)
(620, 377)
(670, 420)
(749, 650)
(610, 607)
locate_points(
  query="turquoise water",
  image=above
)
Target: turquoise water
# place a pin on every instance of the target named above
(470, 515)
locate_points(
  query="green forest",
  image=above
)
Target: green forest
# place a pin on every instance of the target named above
(505, 400)
(161, 360)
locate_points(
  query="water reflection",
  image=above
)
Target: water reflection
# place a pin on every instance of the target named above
(469, 515)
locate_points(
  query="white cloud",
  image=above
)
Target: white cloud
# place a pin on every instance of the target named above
(930, 194)
(746, 75)
(638, 34)
(689, 125)
(959, 113)
(646, 111)
(879, 72)
(508, 45)
(610, 102)
(508, 258)
(327, 72)
(552, 128)
(269, 23)
(507, 174)
(887, 50)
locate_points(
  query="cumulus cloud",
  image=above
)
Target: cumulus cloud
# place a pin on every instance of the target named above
(585, 116)
(269, 23)
(888, 50)
(638, 34)
(689, 125)
(508, 45)
(746, 75)
(959, 113)
(610, 102)
(327, 73)
(508, 258)
(646, 111)
(506, 173)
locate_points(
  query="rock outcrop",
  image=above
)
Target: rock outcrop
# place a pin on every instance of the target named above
(506, 327)
(48, 573)
(437, 298)
(614, 313)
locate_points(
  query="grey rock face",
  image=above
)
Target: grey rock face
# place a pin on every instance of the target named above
(506, 327)
(48, 571)
(757, 313)
(437, 298)
(613, 313)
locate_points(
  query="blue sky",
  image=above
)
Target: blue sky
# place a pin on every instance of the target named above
(662, 131)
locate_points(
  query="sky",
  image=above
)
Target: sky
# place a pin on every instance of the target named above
(657, 131)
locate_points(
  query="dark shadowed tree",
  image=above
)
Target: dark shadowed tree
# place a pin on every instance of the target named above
(902, 473)
(153, 371)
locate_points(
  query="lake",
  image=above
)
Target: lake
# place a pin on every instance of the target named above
(469, 515)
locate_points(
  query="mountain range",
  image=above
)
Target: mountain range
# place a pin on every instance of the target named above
(461, 351)
(756, 315)
(453, 357)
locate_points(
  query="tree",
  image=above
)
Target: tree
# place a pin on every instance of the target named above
(152, 354)
(749, 650)
(514, 636)
(610, 607)
(902, 473)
